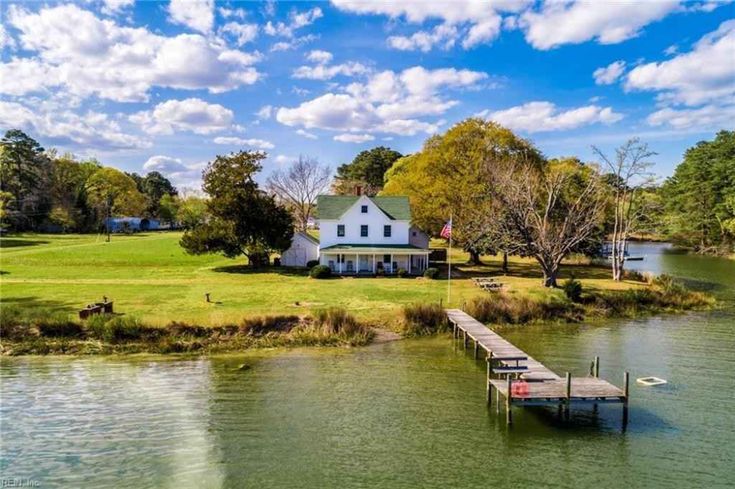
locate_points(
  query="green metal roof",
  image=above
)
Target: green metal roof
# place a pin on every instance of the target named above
(333, 206)
(371, 248)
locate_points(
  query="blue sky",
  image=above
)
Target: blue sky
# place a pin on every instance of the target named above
(167, 85)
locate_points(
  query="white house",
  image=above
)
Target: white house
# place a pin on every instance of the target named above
(369, 235)
(303, 249)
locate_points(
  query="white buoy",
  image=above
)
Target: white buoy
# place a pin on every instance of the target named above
(650, 381)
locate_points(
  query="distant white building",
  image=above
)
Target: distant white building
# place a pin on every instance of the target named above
(369, 235)
(304, 249)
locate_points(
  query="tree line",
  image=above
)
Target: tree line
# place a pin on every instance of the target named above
(42, 190)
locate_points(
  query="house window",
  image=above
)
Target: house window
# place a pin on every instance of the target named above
(386, 258)
(364, 230)
(414, 233)
(364, 209)
(386, 231)
(340, 230)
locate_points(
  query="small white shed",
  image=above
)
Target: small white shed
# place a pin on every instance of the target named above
(303, 249)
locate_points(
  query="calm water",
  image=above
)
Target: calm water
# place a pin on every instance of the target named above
(403, 414)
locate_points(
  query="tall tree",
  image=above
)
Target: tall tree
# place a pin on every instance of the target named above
(367, 171)
(23, 171)
(154, 187)
(192, 211)
(629, 175)
(696, 196)
(549, 213)
(298, 186)
(448, 178)
(114, 193)
(243, 220)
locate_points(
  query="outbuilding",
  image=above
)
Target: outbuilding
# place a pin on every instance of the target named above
(303, 249)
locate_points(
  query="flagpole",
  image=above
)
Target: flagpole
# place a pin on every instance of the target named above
(449, 261)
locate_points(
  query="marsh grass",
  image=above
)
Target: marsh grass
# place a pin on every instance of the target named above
(25, 333)
(422, 319)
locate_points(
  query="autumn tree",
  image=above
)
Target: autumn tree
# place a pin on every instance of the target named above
(367, 170)
(448, 177)
(113, 193)
(548, 213)
(243, 220)
(298, 186)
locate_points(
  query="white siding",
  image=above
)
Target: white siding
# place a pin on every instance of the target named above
(302, 251)
(375, 219)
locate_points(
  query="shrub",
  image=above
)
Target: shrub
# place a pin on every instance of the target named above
(337, 321)
(118, 329)
(424, 318)
(59, 327)
(431, 273)
(572, 289)
(503, 308)
(320, 271)
(402, 273)
(635, 276)
(260, 325)
(312, 263)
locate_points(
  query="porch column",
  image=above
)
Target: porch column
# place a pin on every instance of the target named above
(391, 263)
(339, 259)
(409, 264)
(357, 264)
(373, 262)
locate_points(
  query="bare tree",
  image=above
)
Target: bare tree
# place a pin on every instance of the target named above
(547, 213)
(629, 174)
(298, 186)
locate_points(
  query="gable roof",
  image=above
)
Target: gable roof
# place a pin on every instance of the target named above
(334, 206)
(307, 236)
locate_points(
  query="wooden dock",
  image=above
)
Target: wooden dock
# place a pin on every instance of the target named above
(524, 381)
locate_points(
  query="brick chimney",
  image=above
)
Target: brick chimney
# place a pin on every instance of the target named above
(358, 190)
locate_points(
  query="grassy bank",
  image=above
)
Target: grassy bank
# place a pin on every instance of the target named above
(148, 276)
(43, 332)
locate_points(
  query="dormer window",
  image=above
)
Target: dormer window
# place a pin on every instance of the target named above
(340, 230)
(363, 209)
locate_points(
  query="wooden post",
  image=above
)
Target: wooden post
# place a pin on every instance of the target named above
(508, 413)
(568, 392)
(626, 379)
(489, 386)
(476, 347)
(597, 367)
(464, 341)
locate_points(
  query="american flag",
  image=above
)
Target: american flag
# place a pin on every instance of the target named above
(447, 230)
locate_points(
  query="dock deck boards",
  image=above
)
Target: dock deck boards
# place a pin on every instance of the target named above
(542, 386)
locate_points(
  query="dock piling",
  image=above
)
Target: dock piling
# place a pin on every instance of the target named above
(508, 402)
(626, 382)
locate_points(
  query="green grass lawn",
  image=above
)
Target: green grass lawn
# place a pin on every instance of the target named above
(150, 276)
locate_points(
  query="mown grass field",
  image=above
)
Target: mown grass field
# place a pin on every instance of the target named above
(151, 277)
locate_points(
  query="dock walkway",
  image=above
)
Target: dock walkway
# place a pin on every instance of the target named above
(535, 384)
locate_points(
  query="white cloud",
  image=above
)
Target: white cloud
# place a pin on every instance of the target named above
(609, 74)
(115, 62)
(235, 141)
(710, 117)
(306, 134)
(90, 130)
(180, 174)
(113, 7)
(704, 74)
(574, 22)
(671, 50)
(297, 20)
(353, 138)
(386, 102)
(227, 13)
(242, 33)
(443, 35)
(6, 41)
(319, 57)
(545, 116)
(195, 14)
(265, 112)
(293, 43)
(191, 114)
(327, 72)
(474, 21)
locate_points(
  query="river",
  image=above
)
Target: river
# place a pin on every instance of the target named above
(404, 414)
